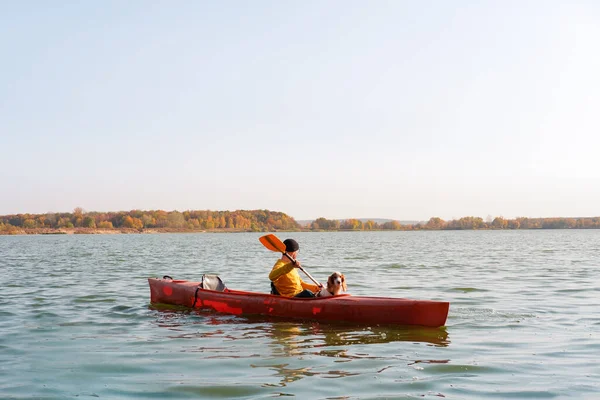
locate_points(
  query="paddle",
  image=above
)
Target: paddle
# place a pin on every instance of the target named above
(273, 243)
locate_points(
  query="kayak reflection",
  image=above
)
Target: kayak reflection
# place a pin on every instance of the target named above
(294, 350)
(296, 337)
(312, 335)
(298, 345)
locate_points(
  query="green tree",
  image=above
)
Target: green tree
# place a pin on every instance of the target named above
(89, 222)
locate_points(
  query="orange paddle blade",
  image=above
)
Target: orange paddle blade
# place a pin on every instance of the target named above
(272, 243)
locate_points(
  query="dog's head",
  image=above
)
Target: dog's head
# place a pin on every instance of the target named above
(336, 282)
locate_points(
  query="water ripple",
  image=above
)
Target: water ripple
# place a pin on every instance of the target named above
(75, 319)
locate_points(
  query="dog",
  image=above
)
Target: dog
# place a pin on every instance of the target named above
(336, 284)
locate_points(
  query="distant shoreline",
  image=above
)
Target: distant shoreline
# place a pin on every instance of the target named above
(151, 231)
(207, 221)
(116, 231)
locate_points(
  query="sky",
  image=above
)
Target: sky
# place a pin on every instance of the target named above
(339, 109)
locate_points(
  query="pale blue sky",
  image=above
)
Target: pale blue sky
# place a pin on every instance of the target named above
(340, 109)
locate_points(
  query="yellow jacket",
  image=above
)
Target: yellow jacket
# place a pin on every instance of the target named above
(287, 280)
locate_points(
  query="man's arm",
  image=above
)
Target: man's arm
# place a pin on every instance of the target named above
(281, 270)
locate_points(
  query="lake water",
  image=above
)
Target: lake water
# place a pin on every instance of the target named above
(75, 318)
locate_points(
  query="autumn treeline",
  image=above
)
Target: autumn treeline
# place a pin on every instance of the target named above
(255, 220)
(471, 223)
(81, 221)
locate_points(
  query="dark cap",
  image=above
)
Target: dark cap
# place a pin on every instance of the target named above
(291, 245)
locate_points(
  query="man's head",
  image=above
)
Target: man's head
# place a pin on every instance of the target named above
(291, 246)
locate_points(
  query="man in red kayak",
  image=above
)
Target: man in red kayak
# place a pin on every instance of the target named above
(284, 275)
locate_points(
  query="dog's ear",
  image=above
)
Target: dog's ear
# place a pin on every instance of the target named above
(344, 283)
(330, 281)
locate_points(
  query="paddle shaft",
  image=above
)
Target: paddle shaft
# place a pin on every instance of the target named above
(301, 269)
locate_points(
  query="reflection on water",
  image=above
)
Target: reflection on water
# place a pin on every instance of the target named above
(336, 341)
(288, 375)
(296, 335)
(293, 342)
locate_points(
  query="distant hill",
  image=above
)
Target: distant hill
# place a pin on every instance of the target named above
(380, 221)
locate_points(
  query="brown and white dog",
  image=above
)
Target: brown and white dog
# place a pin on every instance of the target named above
(336, 284)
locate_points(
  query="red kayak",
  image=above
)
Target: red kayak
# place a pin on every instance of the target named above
(213, 295)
